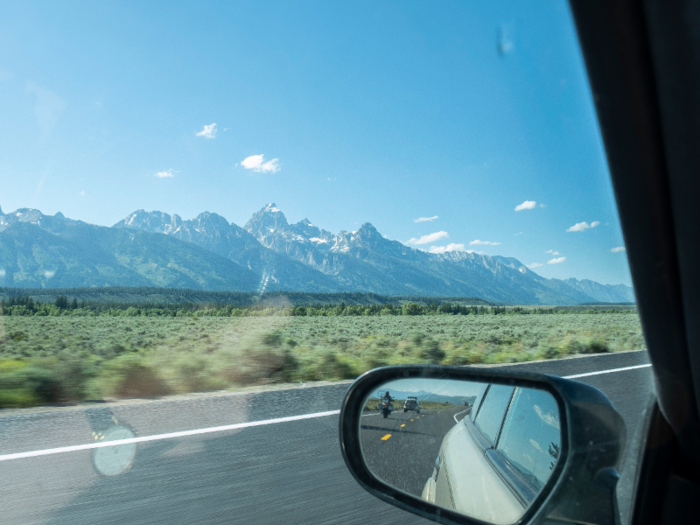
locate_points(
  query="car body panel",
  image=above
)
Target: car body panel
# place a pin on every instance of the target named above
(483, 494)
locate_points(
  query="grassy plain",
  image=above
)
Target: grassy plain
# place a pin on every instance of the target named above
(371, 405)
(51, 359)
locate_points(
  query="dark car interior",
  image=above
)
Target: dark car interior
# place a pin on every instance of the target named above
(643, 65)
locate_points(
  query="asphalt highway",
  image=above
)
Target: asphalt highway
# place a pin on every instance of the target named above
(229, 458)
(402, 448)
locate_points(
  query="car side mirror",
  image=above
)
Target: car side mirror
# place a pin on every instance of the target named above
(461, 445)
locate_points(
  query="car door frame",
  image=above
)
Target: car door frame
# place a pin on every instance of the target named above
(521, 488)
(641, 58)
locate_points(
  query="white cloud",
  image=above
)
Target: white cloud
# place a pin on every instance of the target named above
(558, 260)
(485, 243)
(552, 252)
(425, 219)
(257, 163)
(536, 444)
(527, 205)
(534, 265)
(543, 205)
(582, 226)
(426, 239)
(452, 247)
(82, 193)
(164, 174)
(208, 132)
(2, 272)
(549, 418)
(619, 249)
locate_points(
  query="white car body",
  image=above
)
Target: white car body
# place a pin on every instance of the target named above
(482, 493)
(494, 462)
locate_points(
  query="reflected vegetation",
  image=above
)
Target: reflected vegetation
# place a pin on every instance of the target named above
(485, 451)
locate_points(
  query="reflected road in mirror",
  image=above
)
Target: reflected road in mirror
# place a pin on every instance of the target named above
(485, 451)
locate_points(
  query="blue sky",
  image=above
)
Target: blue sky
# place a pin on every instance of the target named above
(362, 112)
(439, 387)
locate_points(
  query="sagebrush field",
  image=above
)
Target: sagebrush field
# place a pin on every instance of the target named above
(54, 359)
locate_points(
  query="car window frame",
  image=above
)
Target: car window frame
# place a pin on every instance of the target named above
(500, 426)
(520, 482)
(524, 490)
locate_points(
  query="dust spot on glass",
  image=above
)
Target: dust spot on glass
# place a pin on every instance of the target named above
(505, 41)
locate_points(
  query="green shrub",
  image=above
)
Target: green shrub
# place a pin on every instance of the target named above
(18, 336)
(30, 385)
(74, 374)
(18, 398)
(596, 347)
(191, 373)
(431, 352)
(550, 352)
(131, 376)
(411, 309)
(574, 346)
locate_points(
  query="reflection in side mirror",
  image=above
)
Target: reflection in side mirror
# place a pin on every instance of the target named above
(485, 451)
(461, 445)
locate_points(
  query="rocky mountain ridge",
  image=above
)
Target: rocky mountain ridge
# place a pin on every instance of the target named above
(267, 254)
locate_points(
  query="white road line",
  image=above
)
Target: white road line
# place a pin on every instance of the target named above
(458, 413)
(600, 372)
(171, 435)
(236, 426)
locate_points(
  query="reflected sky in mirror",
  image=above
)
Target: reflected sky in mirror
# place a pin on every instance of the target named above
(434, 387)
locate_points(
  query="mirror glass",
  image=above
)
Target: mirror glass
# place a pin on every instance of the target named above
(485, 451)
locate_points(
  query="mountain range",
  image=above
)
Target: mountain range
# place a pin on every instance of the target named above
(267, 254)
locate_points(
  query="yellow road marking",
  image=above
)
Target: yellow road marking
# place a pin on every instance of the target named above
(386, 437)
(411, 420)
(403, 425)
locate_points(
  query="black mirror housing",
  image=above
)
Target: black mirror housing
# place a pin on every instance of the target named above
(582, 486)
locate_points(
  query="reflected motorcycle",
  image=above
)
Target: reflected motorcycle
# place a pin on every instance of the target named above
(386, 407)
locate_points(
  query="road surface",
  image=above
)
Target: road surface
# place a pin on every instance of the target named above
(401, 449)
(228, 458)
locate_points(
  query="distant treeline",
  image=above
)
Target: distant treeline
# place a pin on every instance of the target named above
(25, 305)
(147, 296)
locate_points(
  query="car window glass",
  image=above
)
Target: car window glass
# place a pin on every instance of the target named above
(492, 410)
(477, 401)
(207, 221)
(531, 435)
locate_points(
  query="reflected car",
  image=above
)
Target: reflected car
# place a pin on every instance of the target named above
(411, 405)
(494, 462)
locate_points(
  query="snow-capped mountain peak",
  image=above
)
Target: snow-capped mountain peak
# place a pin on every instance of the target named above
(268, 220)
(26, 215)
(303, 256)
(153, 221)
(271, 208)
(53, 223)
